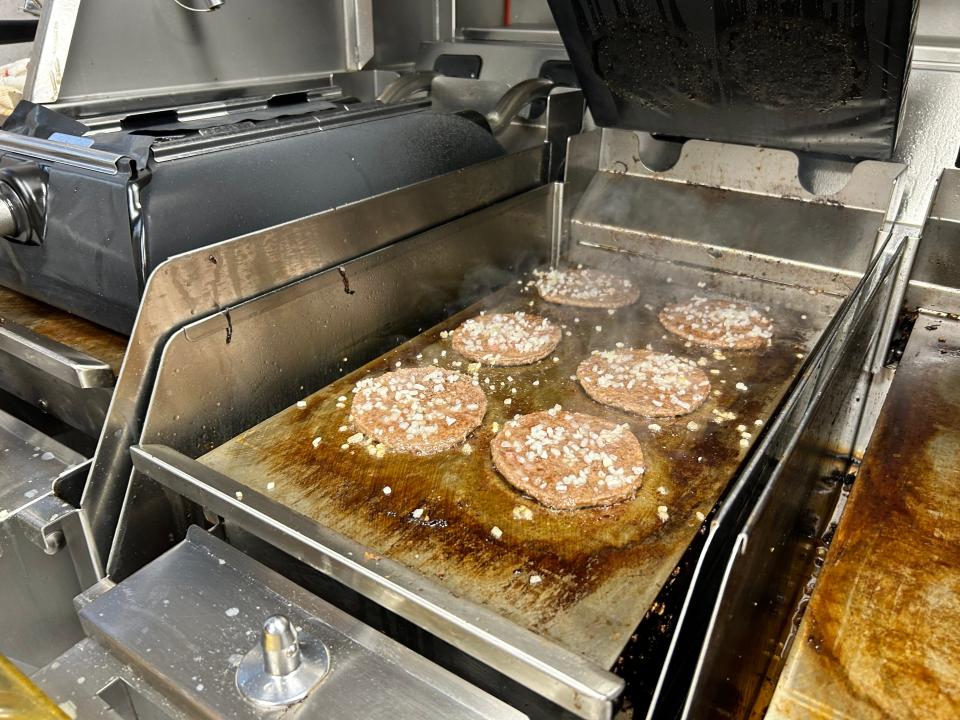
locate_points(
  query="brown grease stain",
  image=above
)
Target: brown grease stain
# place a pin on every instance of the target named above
(880, 637)
(62, 327)
(601, 567)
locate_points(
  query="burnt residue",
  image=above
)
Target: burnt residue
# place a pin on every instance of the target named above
(346, 281)
(70, 330)
(229, 321)
(793, 61)
(601, 568)
(879, 638)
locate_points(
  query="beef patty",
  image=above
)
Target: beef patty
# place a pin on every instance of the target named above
(644, 382)
(418, 410)
(586, 288)
(718, 323)
(569, 460)
(506, 339)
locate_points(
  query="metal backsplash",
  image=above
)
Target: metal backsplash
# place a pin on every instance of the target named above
(138, 50)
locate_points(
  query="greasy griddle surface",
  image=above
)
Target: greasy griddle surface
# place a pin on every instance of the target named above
(600, 568)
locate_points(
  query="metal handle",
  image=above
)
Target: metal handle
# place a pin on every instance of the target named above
(64, 363)
(516, 99)
(406, 85)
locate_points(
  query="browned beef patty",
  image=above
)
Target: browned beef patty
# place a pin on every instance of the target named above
(506, 339)
(586, 288)
(418, 410)
(569, 460)
(718, 323)
(644, 382)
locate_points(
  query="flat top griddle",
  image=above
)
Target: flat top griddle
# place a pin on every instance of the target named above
(601, 568)
(879, 636)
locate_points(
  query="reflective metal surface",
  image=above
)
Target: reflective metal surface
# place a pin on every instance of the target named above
(56, 359)
(39, 577)
(82, 60)
(752, 564)
(58, 362)
(579, 686)
(184, 622)
(61, 152)
(284, 667)
(198, 283)
(879, 637)
(934, 284)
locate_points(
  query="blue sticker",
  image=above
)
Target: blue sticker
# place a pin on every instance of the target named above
(72, 139)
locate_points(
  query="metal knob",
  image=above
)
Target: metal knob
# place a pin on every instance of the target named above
(283, 667)
(281, 650)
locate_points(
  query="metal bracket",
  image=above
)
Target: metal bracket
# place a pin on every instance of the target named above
(64, 363)
(41, 522)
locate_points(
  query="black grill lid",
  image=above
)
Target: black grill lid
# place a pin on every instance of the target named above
(820, 75)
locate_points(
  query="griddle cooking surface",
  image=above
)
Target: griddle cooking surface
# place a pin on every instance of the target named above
(600, 568)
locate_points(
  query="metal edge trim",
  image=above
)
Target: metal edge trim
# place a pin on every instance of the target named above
(61, 361)
(586, 688)
(742, 538)
(60, 152)
(740, 485)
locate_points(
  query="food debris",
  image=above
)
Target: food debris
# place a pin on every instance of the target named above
(598, 328)
(535, 579)
(345, 446)
(744, 442)
(740, 386)
(692, 426)
(507, 401)
(271, 485)
(662, 513)
(301, 404)
(467, 449)
(418, 513)
(653, 427)
(803, 317)
(741, 428)
(444, 334)
(662, 490)
(700, 516)
(316, 441)
(495, 427)
(521, 512)
(496, 533)
(239, 494)
(355, 438)
(342, 428)
(473, 367)
(714, 371)
(387, 489)
(758, 422)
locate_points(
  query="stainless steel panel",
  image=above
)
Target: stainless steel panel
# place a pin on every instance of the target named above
(508, 62)
(579, 686)
(774, 516)
(185, 620)
(39, 578)
(934, 283)
(90, 683)
(56, 359)
(195, 284)
(879, 637)
(98, 50)
(220, 376)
